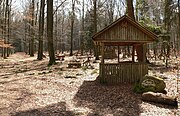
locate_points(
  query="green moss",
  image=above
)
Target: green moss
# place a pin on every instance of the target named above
(84, 68)
(147, 89)
(94, 72)
(138, 88)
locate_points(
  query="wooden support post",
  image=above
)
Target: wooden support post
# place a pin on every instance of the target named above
(102, 78)
(133, 53)
(144, 52)
(118, 54)
(102, 52)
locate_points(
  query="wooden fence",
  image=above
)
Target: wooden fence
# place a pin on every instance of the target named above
(122, 72)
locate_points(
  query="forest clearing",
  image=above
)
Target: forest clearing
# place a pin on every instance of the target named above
(29, 88)
(89, 58)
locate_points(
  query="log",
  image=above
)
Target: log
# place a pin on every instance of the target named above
(159, 98)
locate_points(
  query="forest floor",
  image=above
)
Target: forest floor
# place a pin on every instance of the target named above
(29, 87)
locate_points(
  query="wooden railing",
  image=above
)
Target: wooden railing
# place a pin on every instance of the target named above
(122, 72)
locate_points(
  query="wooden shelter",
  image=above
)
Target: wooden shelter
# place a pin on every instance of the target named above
(123, 32)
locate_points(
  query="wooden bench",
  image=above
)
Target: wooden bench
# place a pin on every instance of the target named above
(60, 57)
(74, 64)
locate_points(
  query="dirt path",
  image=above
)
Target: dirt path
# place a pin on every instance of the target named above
(29, 88)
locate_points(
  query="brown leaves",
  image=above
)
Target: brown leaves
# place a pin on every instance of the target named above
(46, 92)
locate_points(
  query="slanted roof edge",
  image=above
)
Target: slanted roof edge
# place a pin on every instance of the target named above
(145, 30)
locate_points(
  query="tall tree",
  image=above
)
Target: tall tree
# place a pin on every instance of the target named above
(8, 26)
(179, 22)
(41, 30)
(95, 27)
(50, 32)
(130, 9)
(5, 26)
(110, 5)
(167, 14)
(139, 48)
(82, 30)
(56, 29)
(62, 45)
(31, 47)
(72, 25)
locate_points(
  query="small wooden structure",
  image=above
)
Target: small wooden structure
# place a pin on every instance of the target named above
(60, 57)
(74, 64)
(123, 32)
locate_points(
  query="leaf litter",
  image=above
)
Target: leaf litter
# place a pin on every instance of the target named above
(30, 88)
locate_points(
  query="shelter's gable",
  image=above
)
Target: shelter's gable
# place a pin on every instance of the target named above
(125, 30)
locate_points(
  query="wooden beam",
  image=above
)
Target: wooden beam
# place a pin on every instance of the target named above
(118, 54)
(144, 52)
(133, 53)
(102, 52)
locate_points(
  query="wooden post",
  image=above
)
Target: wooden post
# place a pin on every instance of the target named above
(133, 53)
(102, 78)
(102, 52)
(118, 53)
(144, 52)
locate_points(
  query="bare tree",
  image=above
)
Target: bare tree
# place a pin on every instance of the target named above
(50, 32)
(41, 30)
(179, 21)
(5, 26)
(110, 5)
(130, 9)
(167, 14)
(95, 27)
(82, 29)
(139, 48)
(31, 47)
(8, 26)
(72, 25)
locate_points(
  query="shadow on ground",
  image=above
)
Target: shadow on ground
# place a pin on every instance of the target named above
(102, 100)
(161, 68)
(58, 109)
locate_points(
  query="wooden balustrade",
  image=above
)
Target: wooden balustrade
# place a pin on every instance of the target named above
(122, 72)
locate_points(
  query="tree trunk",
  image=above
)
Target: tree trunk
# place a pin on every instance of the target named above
(139, 48)
(50, 32)
(110, 10)
(56, 33)
(5, 27)
(41, 30)
(167, 13)
(8, 29)
(62, 46)
(179, 24)
(82, 31)
(72, 26)
(96, 51)
(32, 30)
(159, 98)
(2, 24)
(25, 38)
(130, 9)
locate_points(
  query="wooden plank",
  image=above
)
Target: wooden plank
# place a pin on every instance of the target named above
(102, 53)
(123, 72)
